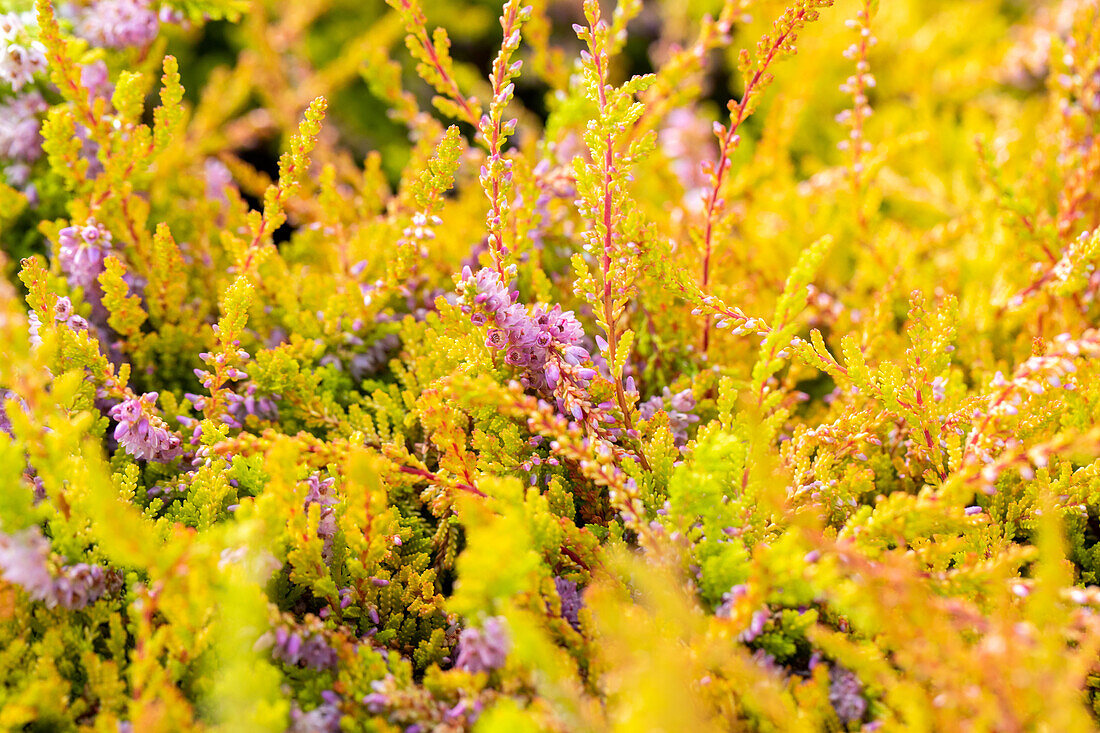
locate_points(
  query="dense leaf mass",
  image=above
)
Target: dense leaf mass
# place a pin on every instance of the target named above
(504, 366)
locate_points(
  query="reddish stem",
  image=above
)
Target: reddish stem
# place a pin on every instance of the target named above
(729, 142)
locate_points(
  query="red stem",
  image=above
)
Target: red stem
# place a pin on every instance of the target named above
(728, 143)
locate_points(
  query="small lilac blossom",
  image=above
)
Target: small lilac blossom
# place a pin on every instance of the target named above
(321, 493)
(21, 58)
(299, 648)
(554, 182)
(846, 695)
(20, 141)
(82, 251)
(63, 315)
(419, 232)
(218, 178)
(24, 560)
(543, 341)
(484, 649)
(95, 78)
(767, 662)
(141, 432)
(687, 141)
(729, 600)
(571, 601)
(677, 406)
(939, 389)
(245, 403)
(120, 23)
(378, 700)
(756, 626)
(377, 355)
(80, 585)
(325, 718)
(5, 419)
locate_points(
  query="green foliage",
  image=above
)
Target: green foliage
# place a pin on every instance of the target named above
(606, 407)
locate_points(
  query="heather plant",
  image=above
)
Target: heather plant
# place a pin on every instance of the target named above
(545, 365)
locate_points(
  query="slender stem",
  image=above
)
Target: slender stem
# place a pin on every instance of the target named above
(608, 243)
(729, 143)
(434, 478)
(496, 143)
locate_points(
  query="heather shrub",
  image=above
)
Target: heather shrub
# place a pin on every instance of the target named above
(549, 366)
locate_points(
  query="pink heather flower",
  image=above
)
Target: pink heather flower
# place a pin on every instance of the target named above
(536, 340)
(20, 57)
(687, 140)
(246, 403)
(677, 406)
(11, 27)
(324, 718)
(82, 251)
(756, 626)
(299, 648)
(321, 493)
(63, 315)
(218, 178)
(846, 695)
(5, 421)
(485, 649)
(939, 389)
(571, 601)
(23, 562)
(80, 585)
(141, 432)
(120, 23)
(95, 78)
(19, 125)
(377, 355)
(34, 325)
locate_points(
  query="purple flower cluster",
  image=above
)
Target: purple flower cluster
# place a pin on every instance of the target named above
(80, 585)
(540, 342)
(687, 141)
(5, 421)
(142, 432)
(297, 647)
(677, 406)
(571, 601)
(218, 178)
(325, 718)
(757, 622)
(415, 710)
(24, 561)
(362, 364)
(377, 355)
(120, 23)
(419, 232)
(321, 493)
(768, 663)
(484, 649)
(95, 78)
(82, 251)
(20, 143)
(62, 313)
(20, 57)
(846, 695)
(245, 403)
(553, 182)
(378, 700)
